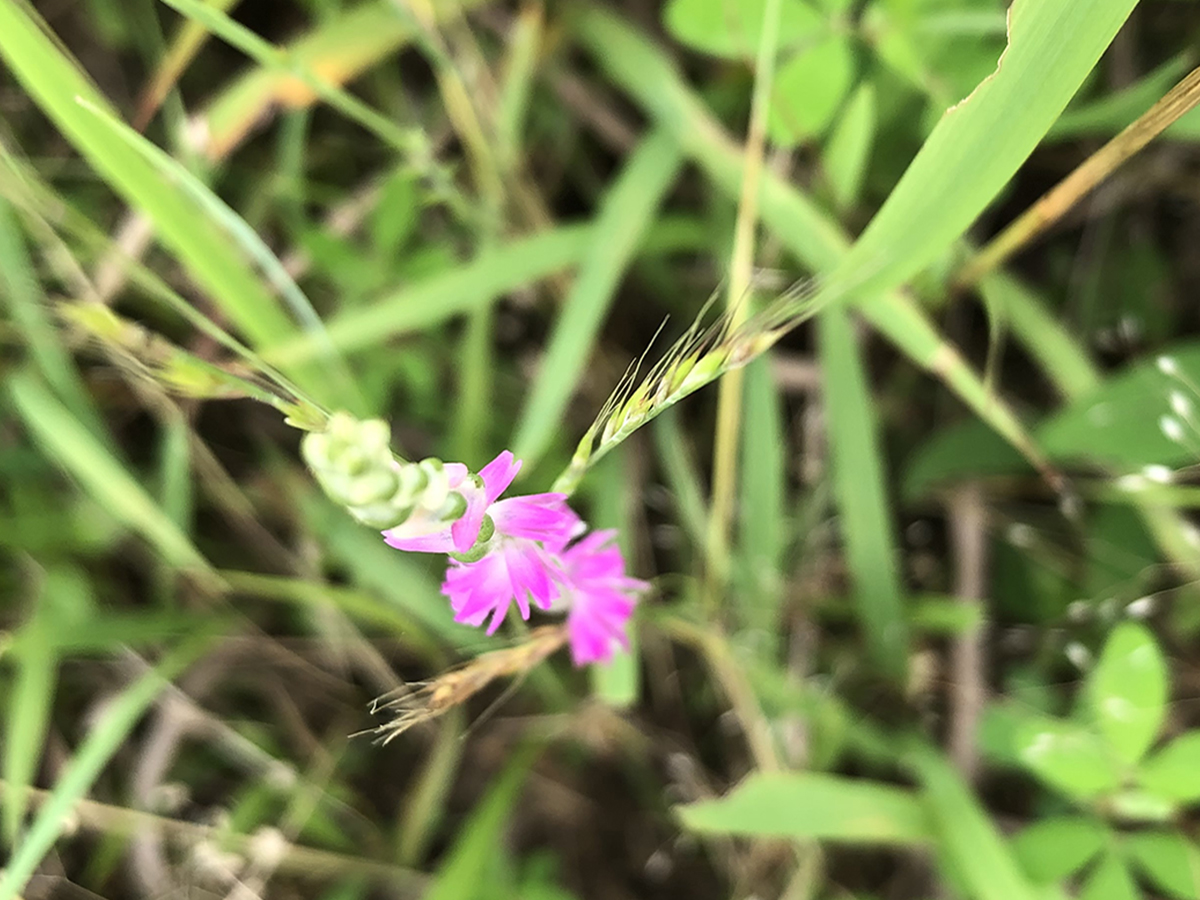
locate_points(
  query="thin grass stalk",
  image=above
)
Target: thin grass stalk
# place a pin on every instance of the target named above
(807, 232)
(248, 240)
(149, 355)
(1061, 198)
(738, 300)
(190, 37)
(271, 57)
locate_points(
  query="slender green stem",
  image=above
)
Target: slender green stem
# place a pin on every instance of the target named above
(729, 398)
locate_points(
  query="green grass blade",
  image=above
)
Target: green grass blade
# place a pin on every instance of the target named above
(624, 215)
(981, 142)
(339, 49)
(1116, 110)
(28, 714)
(219, 212)
(613, 504)
(271, 57)
(808, 233)
(1043, 336)
(440, 297)
(848, 150)
(64, 604)
(763, 499)
(101, 474)
(57, 85)
(121, 715)
(859, 485)
(966, 835)
(683, 478)
(39, 202)
(462, 874)
(31, 313)
(396, 576)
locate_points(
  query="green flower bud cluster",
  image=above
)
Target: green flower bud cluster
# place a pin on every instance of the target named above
(353, 462)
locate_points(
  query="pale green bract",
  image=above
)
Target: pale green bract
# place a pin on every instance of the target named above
(353, 462)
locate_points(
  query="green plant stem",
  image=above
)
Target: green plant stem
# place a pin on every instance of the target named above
(738, 299)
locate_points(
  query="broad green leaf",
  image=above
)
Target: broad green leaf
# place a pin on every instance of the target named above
(808, 90)
(1121, 421)
(848, 150)
(1110, 880)
(966, 836)
(812, 805)
(1136, 806)
(1127, 691)
(1053, 848)
(1168, 860)
(967, 450)
(1121, 557)
(626, 210)
(867, 527)
(1173, 773)
(1068, 757)
(734, 27)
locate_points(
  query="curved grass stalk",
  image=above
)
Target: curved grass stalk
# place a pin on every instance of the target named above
(152, 356)
(44, 212)
(247, 239)
(699, 357)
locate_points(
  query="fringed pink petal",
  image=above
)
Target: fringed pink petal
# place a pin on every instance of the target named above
(538, 517)
(498, 475)
(602, 596)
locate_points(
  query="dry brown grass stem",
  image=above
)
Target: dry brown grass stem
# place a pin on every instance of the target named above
(451, 689)
(1056, 202)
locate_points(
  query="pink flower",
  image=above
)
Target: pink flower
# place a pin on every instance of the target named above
(519, 551)
(518, 569)
(519, 564)
(424, 535)
(599, 597)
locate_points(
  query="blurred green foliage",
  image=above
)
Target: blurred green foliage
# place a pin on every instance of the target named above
(221, 222)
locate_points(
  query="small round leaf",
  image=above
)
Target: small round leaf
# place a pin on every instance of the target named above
(1127, 691)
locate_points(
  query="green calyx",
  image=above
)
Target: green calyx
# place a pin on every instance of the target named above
(353, 462)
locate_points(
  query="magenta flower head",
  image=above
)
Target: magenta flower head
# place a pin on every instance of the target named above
(479, 492)
(519, 551)
(503, 551)
(599, 597)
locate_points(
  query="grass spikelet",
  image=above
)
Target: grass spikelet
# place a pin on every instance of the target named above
(434, 698)
(699, 357)
(144, 354)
